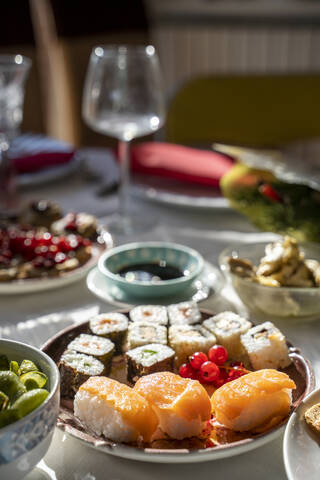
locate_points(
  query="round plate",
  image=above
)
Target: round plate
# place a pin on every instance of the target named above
(50, 174)
(35, 285)
(208, 283)
(181, 194)
(184, 451)
(301, 444)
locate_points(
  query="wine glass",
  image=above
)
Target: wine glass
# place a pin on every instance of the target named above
(13, 73)
(123, 98)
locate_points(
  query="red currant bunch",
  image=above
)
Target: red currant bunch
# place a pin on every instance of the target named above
(211, 368)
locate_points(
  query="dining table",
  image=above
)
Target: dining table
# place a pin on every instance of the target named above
(35, 317)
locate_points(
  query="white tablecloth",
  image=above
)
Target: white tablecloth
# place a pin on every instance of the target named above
(34, 318)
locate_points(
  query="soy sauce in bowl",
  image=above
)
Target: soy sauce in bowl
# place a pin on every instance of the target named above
(150, 269)
(151, 272)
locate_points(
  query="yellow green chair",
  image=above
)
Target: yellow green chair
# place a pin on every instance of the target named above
(253, 110)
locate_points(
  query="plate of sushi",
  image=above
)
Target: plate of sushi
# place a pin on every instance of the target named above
(176, 383)
(42, 249)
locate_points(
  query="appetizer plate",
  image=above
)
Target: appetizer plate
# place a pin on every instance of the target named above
(209, 283)
(40, 284)
(185, 451)
(301, 445)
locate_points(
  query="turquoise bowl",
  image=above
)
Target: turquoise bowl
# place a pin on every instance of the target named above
(184, 258)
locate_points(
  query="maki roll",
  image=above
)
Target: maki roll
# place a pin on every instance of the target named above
(266, 347)
(228, 327)
(188, 339)
(184, 313)
(144, 333)
(98, 347)
(147, 359)
(155, 314)
(75, 368)
(111, 325)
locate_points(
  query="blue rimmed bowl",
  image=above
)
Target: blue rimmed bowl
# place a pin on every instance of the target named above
(186, 259)
(24, 442)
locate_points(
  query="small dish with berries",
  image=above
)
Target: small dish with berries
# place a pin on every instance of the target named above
(35, 246)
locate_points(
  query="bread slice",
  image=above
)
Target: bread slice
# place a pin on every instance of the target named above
(312, 417)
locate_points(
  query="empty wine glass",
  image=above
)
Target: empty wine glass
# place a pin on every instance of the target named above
(13, 73)
(123, 98)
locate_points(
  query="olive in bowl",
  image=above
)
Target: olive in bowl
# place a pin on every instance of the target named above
(29, 406)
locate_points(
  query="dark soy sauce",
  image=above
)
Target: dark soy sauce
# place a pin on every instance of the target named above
(150, 272)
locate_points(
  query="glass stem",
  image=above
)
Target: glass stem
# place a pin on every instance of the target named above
(124, 150)
(8, 192)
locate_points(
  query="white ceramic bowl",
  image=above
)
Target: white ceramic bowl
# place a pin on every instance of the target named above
(273, 301)
(25, 442)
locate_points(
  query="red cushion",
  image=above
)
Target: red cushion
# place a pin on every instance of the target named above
(179, 162)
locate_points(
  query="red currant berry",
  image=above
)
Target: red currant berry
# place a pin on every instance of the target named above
(233, 374)
(209, 372)
(186, 371)
(64, 245)
(197, 359)
(218, 354)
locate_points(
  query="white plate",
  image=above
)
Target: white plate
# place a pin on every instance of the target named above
(301, 446)
(50, 174)
(296, 162)
(181, 194)
(39, 284)
(209, 283)
(184, 456)
(300, 371)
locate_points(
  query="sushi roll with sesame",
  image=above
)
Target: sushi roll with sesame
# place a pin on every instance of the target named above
(184, 313)
(113, 326)
(266, 347)
(154, 314)
(144, 333)
(98, 347)
(75, 368)
(228, 327)
(149, 359)
(188, 339)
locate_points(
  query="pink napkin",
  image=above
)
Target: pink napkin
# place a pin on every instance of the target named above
(179, 162)
(30, 153)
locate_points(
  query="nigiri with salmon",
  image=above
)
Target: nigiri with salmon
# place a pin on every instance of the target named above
(160, 405)
(114, 410)
(182, 406)
(255, 401)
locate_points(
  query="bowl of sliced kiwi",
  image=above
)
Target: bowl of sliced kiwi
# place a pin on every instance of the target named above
(29, 405)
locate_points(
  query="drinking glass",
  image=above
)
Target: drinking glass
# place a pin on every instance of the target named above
(13, 73)
(123, 98)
